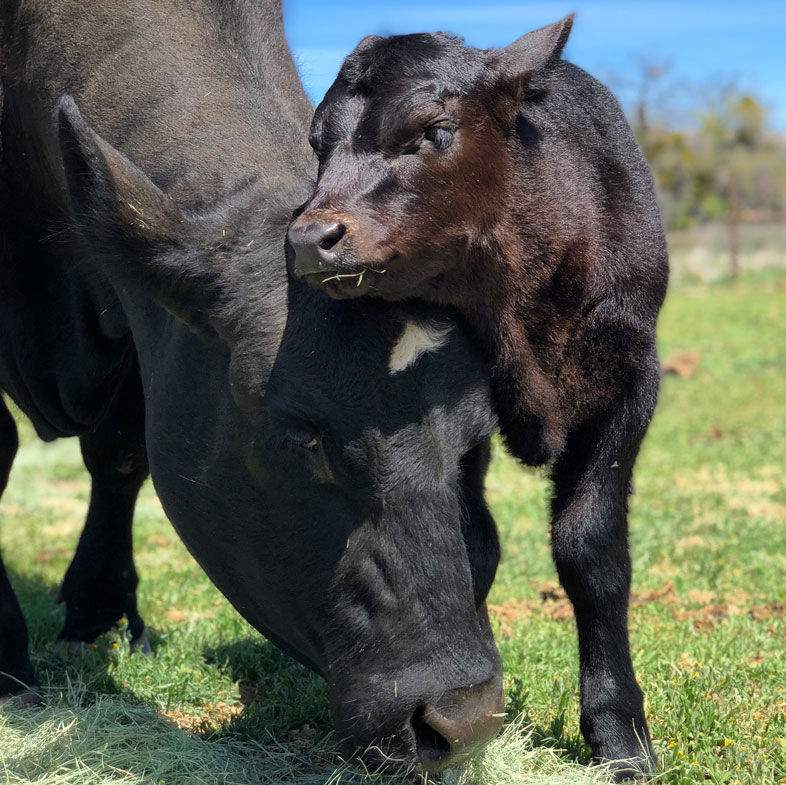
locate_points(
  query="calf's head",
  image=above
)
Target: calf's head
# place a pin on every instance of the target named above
(414, 141)
(331, 487)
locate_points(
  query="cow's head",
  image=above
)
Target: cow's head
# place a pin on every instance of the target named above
(323, 461)
(414, 141)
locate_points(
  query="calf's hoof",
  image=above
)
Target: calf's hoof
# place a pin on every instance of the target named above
(628, 757)
(638, 765)
(76, 649)
(632, 771)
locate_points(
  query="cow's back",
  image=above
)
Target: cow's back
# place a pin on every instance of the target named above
(198, 94)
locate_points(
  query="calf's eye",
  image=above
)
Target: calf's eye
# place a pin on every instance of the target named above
(316, 146)
(440, 136)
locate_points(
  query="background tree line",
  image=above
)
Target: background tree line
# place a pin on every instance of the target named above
(714, 154)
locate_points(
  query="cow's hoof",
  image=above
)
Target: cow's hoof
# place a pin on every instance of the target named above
(141, 645)
(27, 699)
(75, 649)
(85, 628)
(138, 645)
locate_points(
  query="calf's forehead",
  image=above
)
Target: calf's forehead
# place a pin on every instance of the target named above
(418, 56)
(398, 74)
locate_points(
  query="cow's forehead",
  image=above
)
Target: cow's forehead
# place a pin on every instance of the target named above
(382, 372)
(416, 339)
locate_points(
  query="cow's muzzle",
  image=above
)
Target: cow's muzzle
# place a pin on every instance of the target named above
(457, 725)
(412, 731)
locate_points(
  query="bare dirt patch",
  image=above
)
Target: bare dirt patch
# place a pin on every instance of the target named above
(683, 363)
(178, 615)
(772, 610)
(209, 718)
(701, 607)
(50, 554)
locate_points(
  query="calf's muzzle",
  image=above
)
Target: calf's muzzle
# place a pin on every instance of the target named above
(321, 251)
(314, 244)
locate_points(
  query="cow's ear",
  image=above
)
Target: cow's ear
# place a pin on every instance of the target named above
(518, 62)
(138, 233)
(112, 200)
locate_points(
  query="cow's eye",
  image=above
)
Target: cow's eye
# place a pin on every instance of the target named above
(312, 445)
(441, 136)
(300, 442)
(317, 459)
(304, 443)
(308, 450)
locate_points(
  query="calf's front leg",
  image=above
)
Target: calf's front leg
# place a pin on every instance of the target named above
(590, 550)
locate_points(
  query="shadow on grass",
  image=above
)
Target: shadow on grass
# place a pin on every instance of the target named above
(84, 739)
(554, 735)
(278, 693)
(93, 724)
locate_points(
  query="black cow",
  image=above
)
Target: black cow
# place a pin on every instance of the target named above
(507, 183)
(323, 462)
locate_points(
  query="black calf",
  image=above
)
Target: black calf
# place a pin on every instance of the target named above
(507, 183)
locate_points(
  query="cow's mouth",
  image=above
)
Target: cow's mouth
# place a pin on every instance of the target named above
(345, 284)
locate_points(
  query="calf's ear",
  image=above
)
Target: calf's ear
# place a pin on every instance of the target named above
(517, 62)
(138, 234)
(536, 50)
(366, 43)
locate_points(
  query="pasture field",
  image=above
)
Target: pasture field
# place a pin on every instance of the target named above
(217, 704)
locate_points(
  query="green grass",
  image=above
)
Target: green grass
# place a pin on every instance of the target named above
(217, 704)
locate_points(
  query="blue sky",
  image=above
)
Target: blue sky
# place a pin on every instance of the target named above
(707, 42)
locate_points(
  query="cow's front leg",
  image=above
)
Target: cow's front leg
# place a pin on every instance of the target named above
(100, 584)
(16, 672)
(590, 548)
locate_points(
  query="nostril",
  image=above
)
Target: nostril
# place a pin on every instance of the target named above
(432, 746)
(331, 236)
(457, 724)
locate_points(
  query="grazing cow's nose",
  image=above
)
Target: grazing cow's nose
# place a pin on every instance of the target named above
(314, 245)
(415, 724)
(457, 724)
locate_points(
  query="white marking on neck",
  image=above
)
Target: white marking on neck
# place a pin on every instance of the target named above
(416, 339)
